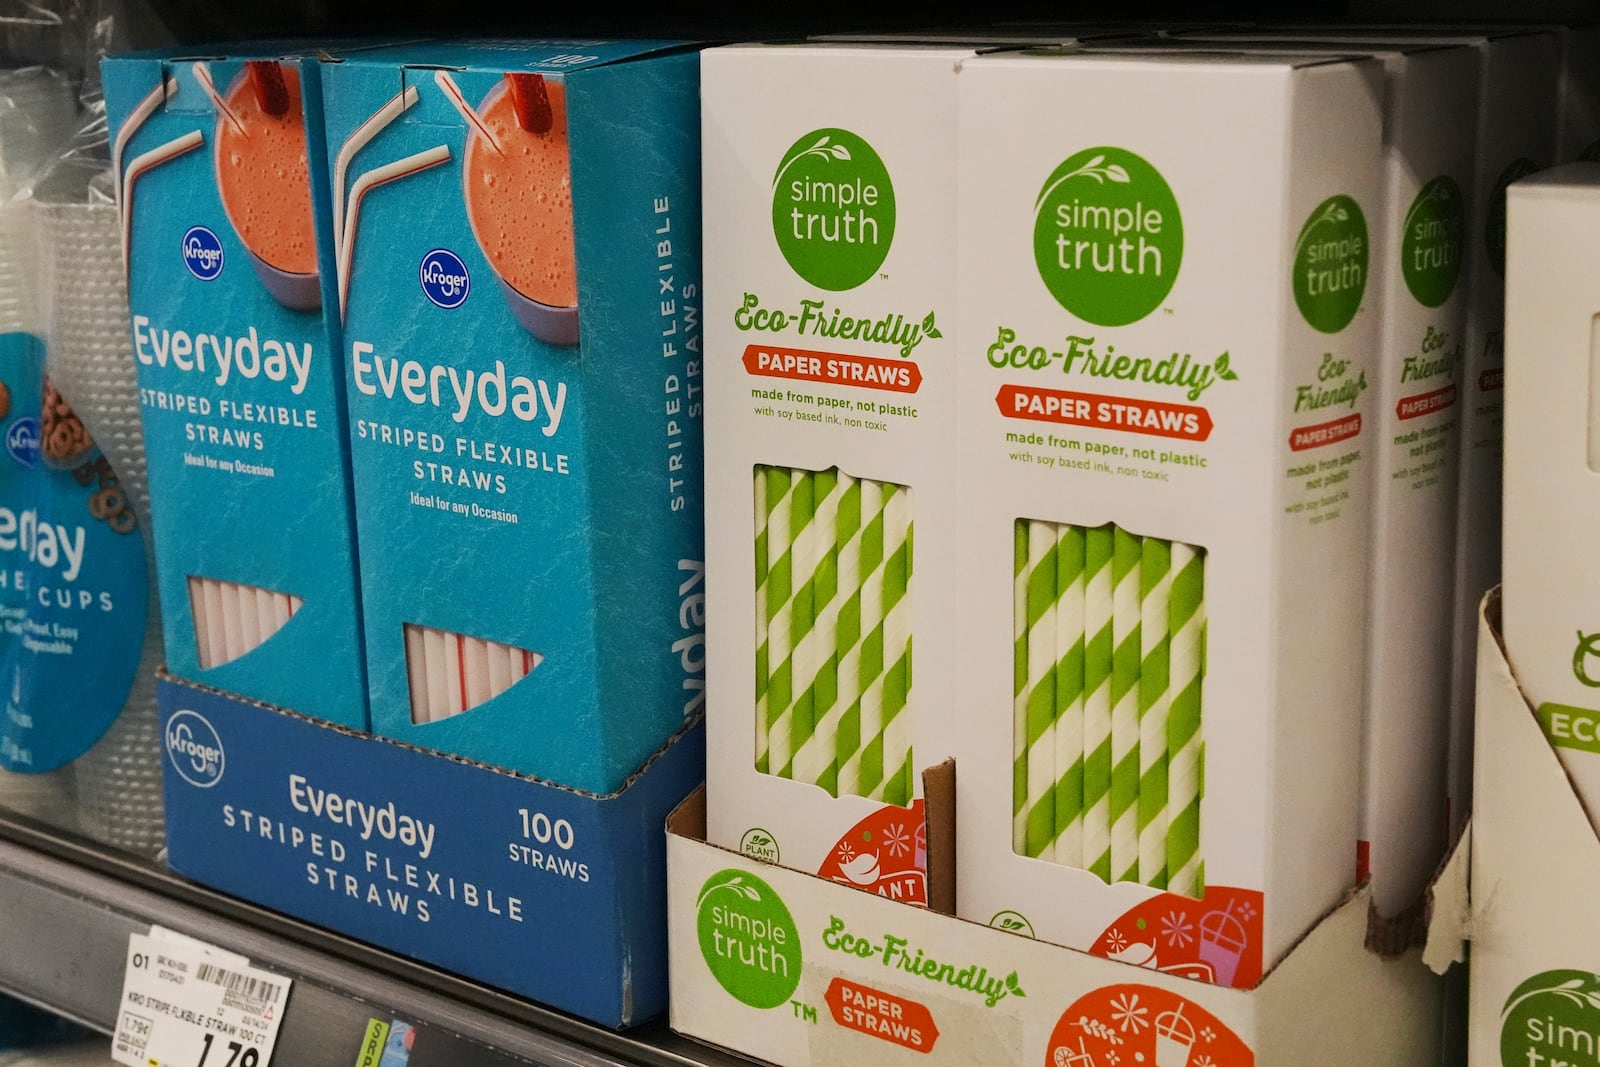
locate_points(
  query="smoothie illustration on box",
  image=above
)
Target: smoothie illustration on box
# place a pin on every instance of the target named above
(223, 195)
(517, 250)
(830, 461)
(1164, 442)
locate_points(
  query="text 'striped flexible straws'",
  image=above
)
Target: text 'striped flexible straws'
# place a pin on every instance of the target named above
(368, 181)
(358, 140)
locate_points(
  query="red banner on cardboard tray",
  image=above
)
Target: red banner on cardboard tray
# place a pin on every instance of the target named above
(871, 1011)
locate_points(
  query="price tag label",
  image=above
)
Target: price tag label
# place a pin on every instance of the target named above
(186, 1004)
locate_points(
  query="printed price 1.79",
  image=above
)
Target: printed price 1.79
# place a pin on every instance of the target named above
(239, 1055)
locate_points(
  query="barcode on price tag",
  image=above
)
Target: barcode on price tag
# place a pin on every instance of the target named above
(186, 1004)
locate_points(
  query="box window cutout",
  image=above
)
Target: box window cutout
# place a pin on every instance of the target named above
(231, 619)
(451, 673)
(833, 632)
(1109, 656)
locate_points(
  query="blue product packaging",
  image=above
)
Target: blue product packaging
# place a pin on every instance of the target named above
(223, 191)
(518, 246)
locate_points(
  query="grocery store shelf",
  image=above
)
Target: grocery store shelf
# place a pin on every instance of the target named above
(67, 908)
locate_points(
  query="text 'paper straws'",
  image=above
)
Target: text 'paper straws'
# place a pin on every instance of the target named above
(1109, 657)
(833, 632)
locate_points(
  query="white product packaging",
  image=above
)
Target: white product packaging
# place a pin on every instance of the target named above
(1517, 118)
(830, 183)
(1551, 591)
(1168, 353)
(1418, 261)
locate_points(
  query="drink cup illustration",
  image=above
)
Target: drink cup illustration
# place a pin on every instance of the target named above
(264, 181)
(1223, 940)
(517, 180)
(1175, 1038)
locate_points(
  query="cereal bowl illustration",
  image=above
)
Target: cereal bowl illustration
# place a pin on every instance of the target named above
(517, 184)
(263, 178)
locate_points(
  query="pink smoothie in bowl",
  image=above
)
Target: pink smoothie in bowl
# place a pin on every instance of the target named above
(265, 183)
(519, 201)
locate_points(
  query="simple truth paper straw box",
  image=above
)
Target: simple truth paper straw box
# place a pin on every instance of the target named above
(220, 175)
(1167, 364)
(830, 451)
(518, 256)
(1418, 266)
(1551, 593)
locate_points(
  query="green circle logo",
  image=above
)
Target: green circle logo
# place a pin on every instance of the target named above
(1553, 1017)
(1107, 236)
(1494, 227)
(748, 939)
(833, 209)
(1431, 240)
(1330, 264)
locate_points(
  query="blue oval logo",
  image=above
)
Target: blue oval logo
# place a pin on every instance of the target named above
(194, 749)
(202, 253)
(444, 278)
(22, 441)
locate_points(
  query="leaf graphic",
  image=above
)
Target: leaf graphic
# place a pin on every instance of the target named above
(1010, 924)
(821, 141)
(1222, 365)
(933, 332)
(1012, 987)
(1341, 214)
(750, 892)
(1117, 174)
(1095, 162)
(927, 321)
(840, 152)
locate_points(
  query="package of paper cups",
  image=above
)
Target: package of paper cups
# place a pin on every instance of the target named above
(219, 175)
(517, 250)
(831, 332)
(1165, 436)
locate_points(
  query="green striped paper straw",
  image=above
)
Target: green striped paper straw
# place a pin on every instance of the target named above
(1155, 699)
(1041, 594)
(1186, 620)
(772, 654)
(1019, 688)
(1125, 630)
(843, 626)
(797, 612)
(816, 663)
(861, 763)
(762, 511)
(1099, 544)
(898, 785)
(1069, 696)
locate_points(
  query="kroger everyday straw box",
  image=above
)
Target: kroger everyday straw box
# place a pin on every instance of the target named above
(1418, 260)
(830, 392)
(1165, 440)
(221, 179)
(519, 256)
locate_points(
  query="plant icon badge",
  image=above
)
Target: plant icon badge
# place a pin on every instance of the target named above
(1552, 1018)
(833, 209)
(1431, 241)
(748, 938)
(1588, 648)
(1330, 264)
(1107, 236)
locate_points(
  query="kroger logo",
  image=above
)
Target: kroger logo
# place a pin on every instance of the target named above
(22, 441)
(194, 749)
(202, 253)
(444, 278)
